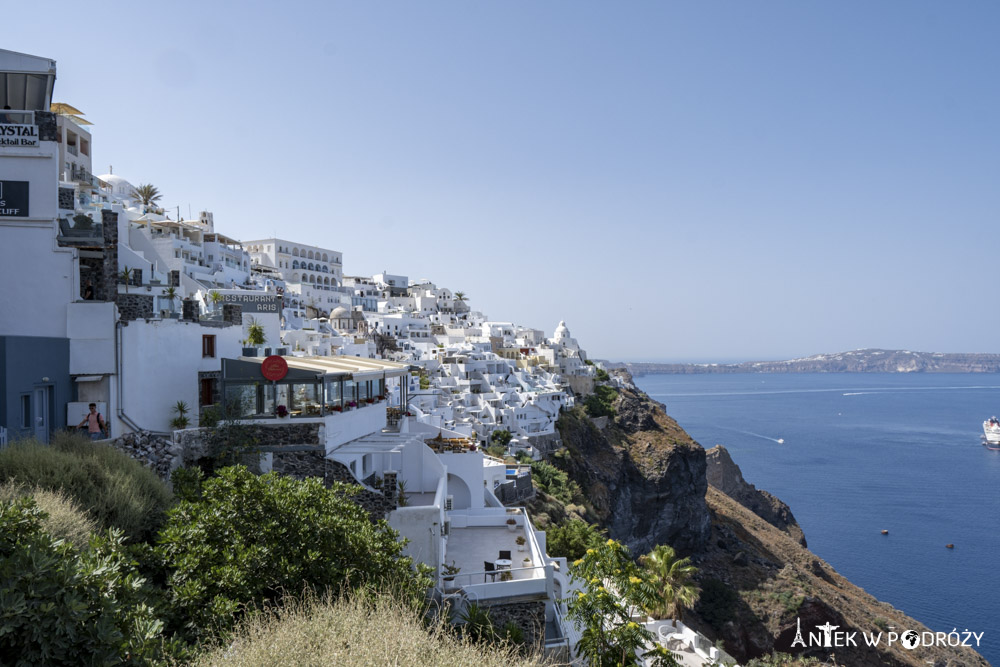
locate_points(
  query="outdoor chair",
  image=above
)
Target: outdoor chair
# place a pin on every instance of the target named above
(504, 555)
(491, 571)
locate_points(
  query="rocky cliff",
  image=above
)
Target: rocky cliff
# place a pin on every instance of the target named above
(642, 475)
(645, 481)
(725, 475)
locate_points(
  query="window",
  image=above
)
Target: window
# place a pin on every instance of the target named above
(25, 410)
(208, 346)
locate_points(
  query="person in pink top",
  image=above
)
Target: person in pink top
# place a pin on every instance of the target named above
(96, 428)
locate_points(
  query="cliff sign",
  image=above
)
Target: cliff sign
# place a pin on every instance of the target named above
(13, 199)
(18, 136)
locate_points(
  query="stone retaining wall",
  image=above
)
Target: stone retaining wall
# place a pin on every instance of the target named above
(529, 616)
(153, 451)
(135, 306)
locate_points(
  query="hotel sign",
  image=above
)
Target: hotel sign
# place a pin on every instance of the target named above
(18, 135)
(254, 303)
(13, 199)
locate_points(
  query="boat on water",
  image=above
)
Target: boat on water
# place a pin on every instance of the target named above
(991, 433)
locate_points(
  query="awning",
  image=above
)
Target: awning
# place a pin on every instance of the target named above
(355, 368)
(89, 378)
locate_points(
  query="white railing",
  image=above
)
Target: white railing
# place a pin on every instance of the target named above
(518, 574)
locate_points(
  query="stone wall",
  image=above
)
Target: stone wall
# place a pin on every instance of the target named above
(232, 313)
(189, 310)
(529, 616)
(153, 451)
(193, 445)
(135, 306)
(296, 451)
(516, 490)
(109, 270)
(66, 201)
(48, 130)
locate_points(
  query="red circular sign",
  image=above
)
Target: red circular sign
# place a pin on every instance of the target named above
(274, 368)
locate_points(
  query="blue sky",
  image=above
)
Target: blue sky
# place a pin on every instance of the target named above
(677, 180)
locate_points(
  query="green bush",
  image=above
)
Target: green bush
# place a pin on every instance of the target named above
(63, 519)
(602, 402)
(555, 482)
(572, 539)
(250, 539)
(60, 605)
(601, 375)
(497, 451)
(116, 490)
(501, 437)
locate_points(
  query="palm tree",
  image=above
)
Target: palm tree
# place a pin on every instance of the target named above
(170, 294)
(147, 193)
(216, 298)
(459, 296)
(126, 277)
(670, 581)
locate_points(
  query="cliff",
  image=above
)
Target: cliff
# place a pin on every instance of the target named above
(855, 361)
(642, 476)
(645, 481)
(724, 475)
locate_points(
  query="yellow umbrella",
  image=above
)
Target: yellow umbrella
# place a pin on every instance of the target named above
(78, 120)
(62, 107)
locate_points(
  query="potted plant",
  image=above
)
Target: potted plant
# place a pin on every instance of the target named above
(511, 524)
(181, 421)
(520, 542)
(337, 408)
(448, 572)
(526, 562)
(255, 335)
(281, 411)
(506, 575)
(352, 404)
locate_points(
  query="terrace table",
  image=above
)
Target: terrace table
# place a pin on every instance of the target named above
(502, 563)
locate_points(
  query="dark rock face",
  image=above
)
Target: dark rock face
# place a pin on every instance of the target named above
(643, 475)
(725, 475)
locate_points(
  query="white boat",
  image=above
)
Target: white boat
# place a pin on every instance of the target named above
(991, 431)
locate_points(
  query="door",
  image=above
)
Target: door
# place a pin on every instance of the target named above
(41, 410)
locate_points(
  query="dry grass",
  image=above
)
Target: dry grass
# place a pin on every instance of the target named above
(356, 631)
(65, 519)
(116, 490)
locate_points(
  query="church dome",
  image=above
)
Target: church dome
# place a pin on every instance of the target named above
(339, 313)
(562, 331)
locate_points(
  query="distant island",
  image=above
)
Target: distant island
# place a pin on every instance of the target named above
(856, 361)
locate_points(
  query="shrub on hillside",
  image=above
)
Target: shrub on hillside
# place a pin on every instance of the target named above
(501, 437)
(116, 490)
(555, 482)
(249, 539)
(572, 539)
(602, 402)
(62, 518)
(60, 605)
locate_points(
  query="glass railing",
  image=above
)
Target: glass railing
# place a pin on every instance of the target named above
(17, 117)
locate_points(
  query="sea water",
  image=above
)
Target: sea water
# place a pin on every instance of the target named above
(862, 453)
